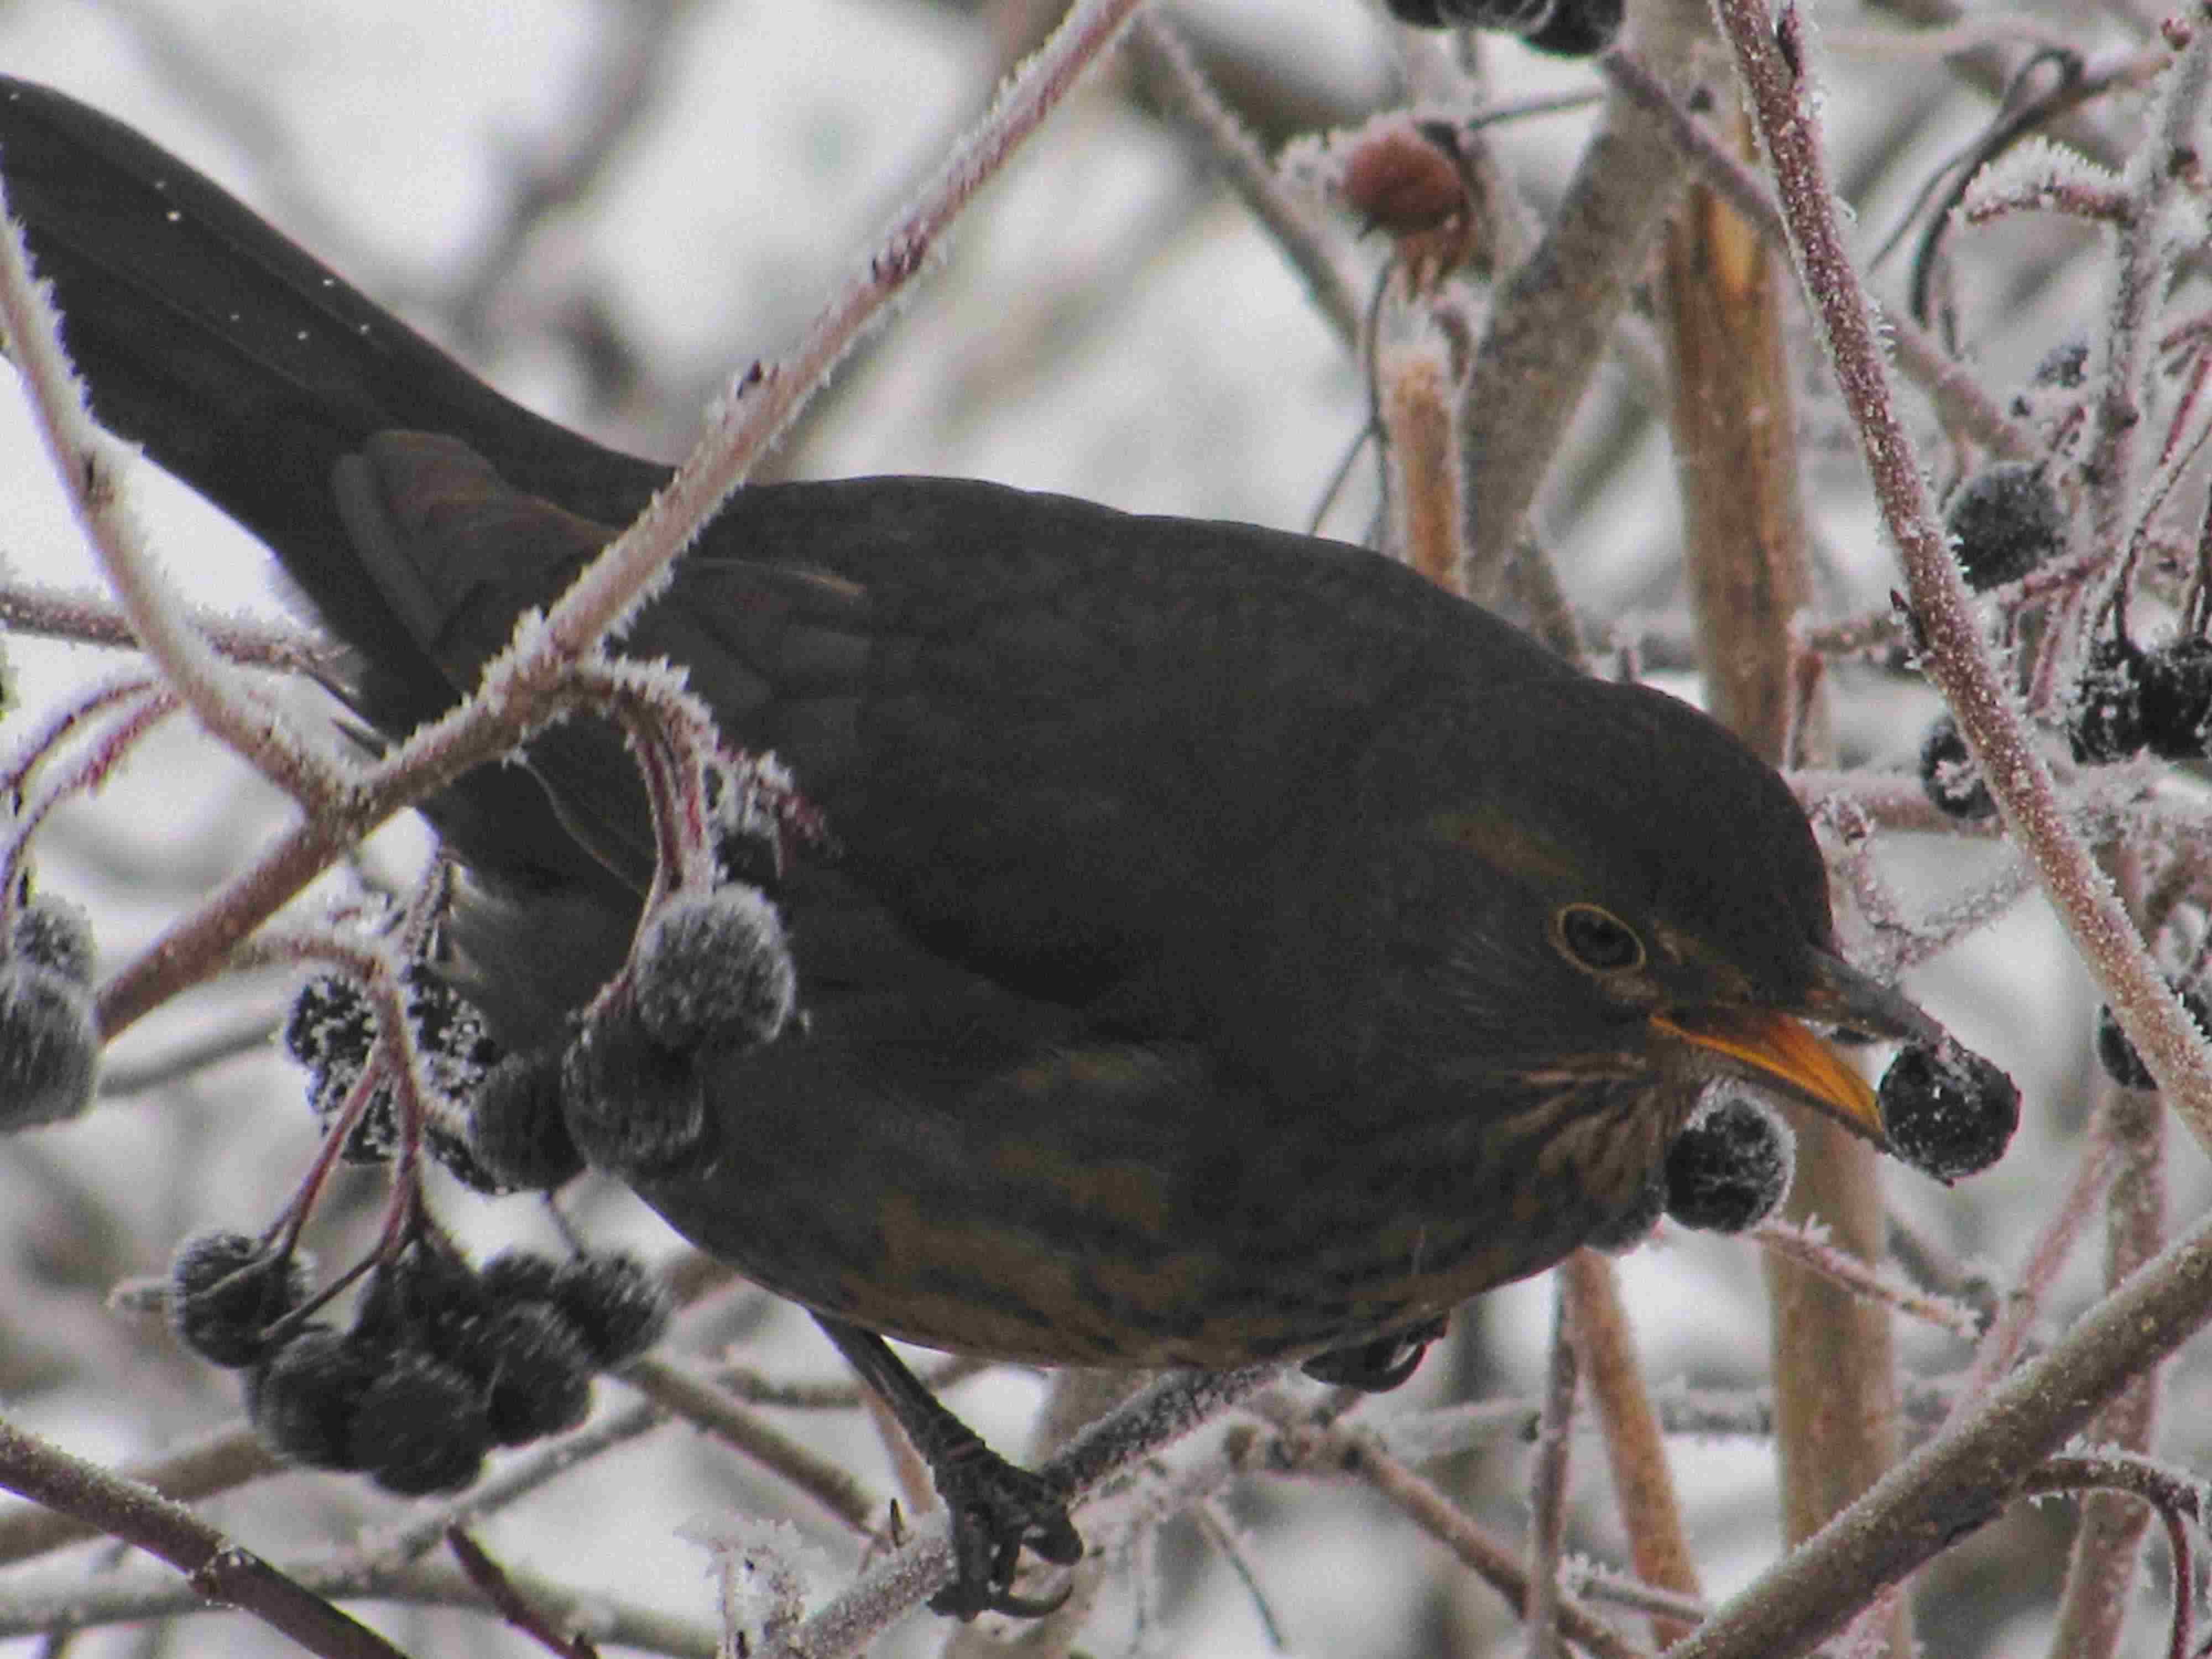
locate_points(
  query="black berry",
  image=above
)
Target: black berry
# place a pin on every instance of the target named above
(330, 1026)
(303, 1401)
(2106, 722)
(456, 1153)
(456, 1045)
(49, 1045)
(1730, 1169)
(2177, 699)
(2004, 521)
(516, 1128)
(1948, 1113)
(631, 1105)
(532, 1371)
(331, 1030)
(421, 1427)
(226, 1288)
(427, 1298)
(1948, 775)
(517, 1276)
(56, 935)
(715, 967)
(2118, 1055)
(616, 1306)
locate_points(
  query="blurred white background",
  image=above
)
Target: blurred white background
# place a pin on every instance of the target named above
(1107, 322)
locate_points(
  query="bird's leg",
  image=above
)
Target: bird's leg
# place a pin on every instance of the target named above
(996, 1509)
(1377, 1366)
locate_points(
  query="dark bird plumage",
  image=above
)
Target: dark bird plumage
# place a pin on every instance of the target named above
(1234, 948)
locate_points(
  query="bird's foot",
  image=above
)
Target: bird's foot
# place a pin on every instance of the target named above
(1378, 1366)
(998, 1510)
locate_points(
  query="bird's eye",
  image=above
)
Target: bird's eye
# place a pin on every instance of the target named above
(1596, 939)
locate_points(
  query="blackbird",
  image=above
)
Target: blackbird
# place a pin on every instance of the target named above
(1226, 946)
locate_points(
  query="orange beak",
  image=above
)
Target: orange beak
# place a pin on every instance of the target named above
(1777, 1046)
(1771, 1042)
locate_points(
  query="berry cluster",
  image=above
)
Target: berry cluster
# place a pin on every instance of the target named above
(2129, 699)
(441, 1362)
(712, 975)
(49, 1044)
(1947, 1112)
(1570, 29)
(331, 1030)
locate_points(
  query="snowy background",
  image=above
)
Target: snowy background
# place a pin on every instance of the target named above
(1107, 322)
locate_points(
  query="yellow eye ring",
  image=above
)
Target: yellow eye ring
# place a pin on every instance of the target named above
(1595, 939)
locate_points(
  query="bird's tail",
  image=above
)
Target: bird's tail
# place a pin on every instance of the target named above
(246, 368)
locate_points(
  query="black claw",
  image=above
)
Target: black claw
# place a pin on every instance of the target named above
(1377, 1366)
(998, 1510)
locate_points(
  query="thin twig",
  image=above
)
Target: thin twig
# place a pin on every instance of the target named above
(1643, 1484)
(214, 1566)
(89, 466)
(1811, 1251)
(710, 1410)
(1959, 1481)
(1957, 659)
(1547, 1481)
(1158, 48)
(1161, 1413)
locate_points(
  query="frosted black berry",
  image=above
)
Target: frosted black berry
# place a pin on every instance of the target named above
(56, 935)
(632, 1106)
(517, 1276)
(531, 1369)
(304, 1401)
(2004, 521)
(715, 967)
(421, 1427)
(456, 1044)
(1730, 1169)
(2122, 1063)
(2177, 699)
(616, 1306)
(226, 1288)
(330, 1026)
(1948, 775)
(1948, 1113)
(49, 1045)
(426, 1299)
(516, 1128)
(2104, 722)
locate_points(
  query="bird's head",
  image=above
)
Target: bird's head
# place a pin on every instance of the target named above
(1578, 878)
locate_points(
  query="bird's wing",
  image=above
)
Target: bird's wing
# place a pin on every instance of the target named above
(1062, 745)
